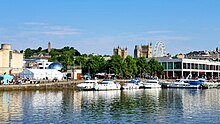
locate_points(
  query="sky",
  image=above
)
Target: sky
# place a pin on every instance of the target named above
(97, 26)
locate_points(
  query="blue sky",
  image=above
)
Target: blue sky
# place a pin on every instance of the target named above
(97, 26)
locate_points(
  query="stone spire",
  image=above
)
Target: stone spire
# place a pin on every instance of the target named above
(49, 47)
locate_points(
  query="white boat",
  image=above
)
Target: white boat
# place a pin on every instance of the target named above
(152, 84)
(107, 84)
(179, 83)
(185, 83)
(87, 85)
(209, 83)
(133, 84)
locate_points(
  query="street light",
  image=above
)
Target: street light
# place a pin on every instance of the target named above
(73, 67)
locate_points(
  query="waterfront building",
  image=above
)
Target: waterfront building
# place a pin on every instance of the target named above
(143, 51)
(36, 63)
(10, 61)
(178, 68)
(121, 52)
(41, 74)
(204, 55)
(40, 56)
(181, 56)
(74, 73)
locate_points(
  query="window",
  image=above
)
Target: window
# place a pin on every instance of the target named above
(188, 66)
(196, 66)
(170, 65)
(177, 65)
(203, 66)
(184, 65)
(192, 66)
(164, 64)
(200, 66)
(207, 67)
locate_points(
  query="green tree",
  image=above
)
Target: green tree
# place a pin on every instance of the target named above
(155, 67)
(142, 65)
(39, 49)
(130, 66)
(115, 65)
(95, 64)
(81, 61)
(28, 53)
(65, 56)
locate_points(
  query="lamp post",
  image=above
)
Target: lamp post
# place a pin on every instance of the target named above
(73, 67)
(140, 73)
(122, 68)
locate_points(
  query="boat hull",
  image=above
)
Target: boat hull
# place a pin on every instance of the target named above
(107, 88)
(86, 88)
(152, 86)
(180, 85)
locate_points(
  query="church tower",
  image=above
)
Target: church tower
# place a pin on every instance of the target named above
(49, 47)
(149, 51)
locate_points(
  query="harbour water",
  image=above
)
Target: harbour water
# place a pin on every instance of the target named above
(128, 106)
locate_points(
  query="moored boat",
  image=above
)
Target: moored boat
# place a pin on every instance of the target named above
(152, 83)
(107, 84)
(87, 85)
(133, 84)
(183, 83)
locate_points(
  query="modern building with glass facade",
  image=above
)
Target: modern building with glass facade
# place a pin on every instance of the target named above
(178, 68)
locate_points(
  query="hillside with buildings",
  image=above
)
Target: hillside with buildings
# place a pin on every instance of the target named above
(202, 55)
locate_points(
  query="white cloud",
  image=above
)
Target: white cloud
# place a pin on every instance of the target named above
(171, 38)
(158, 32)
(46, 29)
(35, 23)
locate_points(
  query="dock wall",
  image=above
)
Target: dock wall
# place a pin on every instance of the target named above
(46, 85)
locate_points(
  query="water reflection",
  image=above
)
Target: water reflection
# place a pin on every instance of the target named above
(127, 106)
(11, 106)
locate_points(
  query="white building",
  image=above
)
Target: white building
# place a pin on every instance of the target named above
(183, 67)
(41, 74)
(37, 63)
(10, 60)
(43, 63)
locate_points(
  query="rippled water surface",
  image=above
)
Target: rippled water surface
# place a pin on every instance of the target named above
(129, 106)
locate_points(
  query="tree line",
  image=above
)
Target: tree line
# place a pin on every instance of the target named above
(128, 67)
(92, 64)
